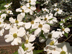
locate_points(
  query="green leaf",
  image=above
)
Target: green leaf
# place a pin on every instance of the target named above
(49, 24)
(37, 51)
(66, 18)
(66, 34)
(37, 2)
(23, 46)
(61, 22)
(69, 26)
(51, 19)
(42, 35)
(32, 31)
(15, 52)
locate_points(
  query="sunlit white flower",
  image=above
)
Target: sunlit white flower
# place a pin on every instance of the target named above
(3, 16)
(20, 50)
(63, 30)
(1, 32)
(44, 27)
(49, 19)
(64, 47)
(7, 26)
(11, 20)
(30, 9)
(27, 50)
(55, 4)
(45, 9)
(29, 38)
(58, 11)
(14, 35)
(32, 2)
(56, 34)
(7, 5)
(9, 12)
(18, 21)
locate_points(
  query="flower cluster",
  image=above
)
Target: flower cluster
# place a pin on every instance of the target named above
(40, 24)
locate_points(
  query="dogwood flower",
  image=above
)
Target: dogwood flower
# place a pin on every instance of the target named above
(18, 21)
(44, 27)
(27, 50)
(63, 30)
(32, 2)
(58, 11)
(3, 16)
(29, 38)
(7, 5)
(30, 9)
(14, 35)
(45, 10)
(9, 12)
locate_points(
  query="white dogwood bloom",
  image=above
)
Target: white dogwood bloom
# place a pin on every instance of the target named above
(7, 5)
(9, 12)
(45, 10)
(56, 34)
(12, 20)
(44, 27)
(64, 47)
(32, 2)
(29, 38)
(63, 30)
(18, 21)
(7, 26)
(28, 49)
(58, 11)
(20, 50)
(30, 9)
(14, 35)
(3, 16)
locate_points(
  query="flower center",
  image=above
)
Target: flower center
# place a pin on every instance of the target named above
(29, 7)
(29, 1)
(49, 35)
(57, 9)
(26, 41)
(32, 22)
(22, 10)
(45, 19)
(26, 48)
(21, 6)
(62, 52)
(8, 11)
(16, 21)
(44, 10)
(0, 16)
(0, 22)
(7, 4)
(15, 35)
(63, 29)
(40, 26)
(51, 43)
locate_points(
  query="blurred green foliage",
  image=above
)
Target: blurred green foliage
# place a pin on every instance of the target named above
(3, 2)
